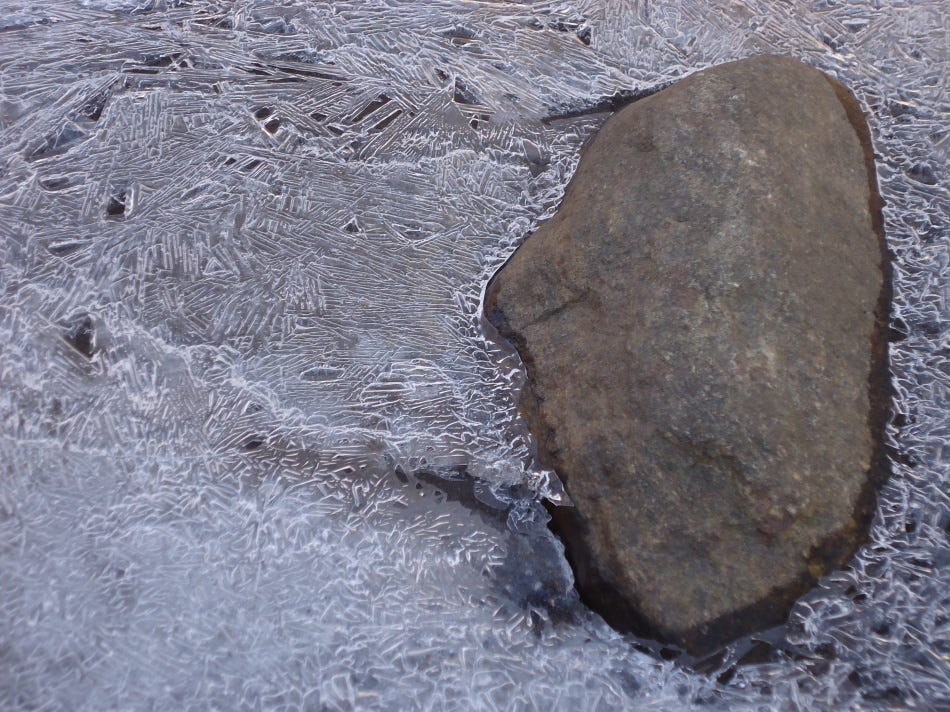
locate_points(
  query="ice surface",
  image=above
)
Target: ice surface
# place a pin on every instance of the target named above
(242, 249)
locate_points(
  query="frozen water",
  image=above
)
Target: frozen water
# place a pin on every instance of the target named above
(242, 248)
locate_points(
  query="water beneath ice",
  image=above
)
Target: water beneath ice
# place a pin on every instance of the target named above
(242, 250)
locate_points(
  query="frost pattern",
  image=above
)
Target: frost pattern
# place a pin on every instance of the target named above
(257, 450)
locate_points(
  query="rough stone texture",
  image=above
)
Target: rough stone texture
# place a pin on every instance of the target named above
(703, 326)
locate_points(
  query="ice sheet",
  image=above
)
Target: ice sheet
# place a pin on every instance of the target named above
(242, 250)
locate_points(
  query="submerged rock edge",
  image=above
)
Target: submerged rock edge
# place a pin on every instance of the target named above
(594, 582)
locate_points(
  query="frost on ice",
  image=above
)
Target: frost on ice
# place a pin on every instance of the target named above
(256, 445)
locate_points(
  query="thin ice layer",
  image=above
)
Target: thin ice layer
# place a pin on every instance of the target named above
(242, 249)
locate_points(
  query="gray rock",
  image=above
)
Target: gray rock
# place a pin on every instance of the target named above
(703, 324)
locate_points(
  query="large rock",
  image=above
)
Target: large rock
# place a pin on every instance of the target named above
(703, 326)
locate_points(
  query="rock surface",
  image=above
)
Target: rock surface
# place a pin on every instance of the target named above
(703, 325)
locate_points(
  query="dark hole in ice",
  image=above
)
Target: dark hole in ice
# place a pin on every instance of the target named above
(263, 112)
(603, 104)
(82, 336)
(272, 126)
(93, 107)
(831, 42)
(351, 151)
(192, 193)
(902, 456)
(377, 103)
(116, 206)
(253, 444)
(58, 183)
(458, 486)
(644, 647)
(317, 116)
(535, 169)
(726, 676)
(463, 94)
(459, 35)
(251, 165)
(535, 622)
(335, 78)
(335, 130)
(387, 121)
(581, 31)
(162, 61)
(898, 330)
(899, 109)
(413, 232)
(923, 173)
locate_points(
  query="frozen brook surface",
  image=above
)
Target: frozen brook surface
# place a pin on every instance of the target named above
(242, 252)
